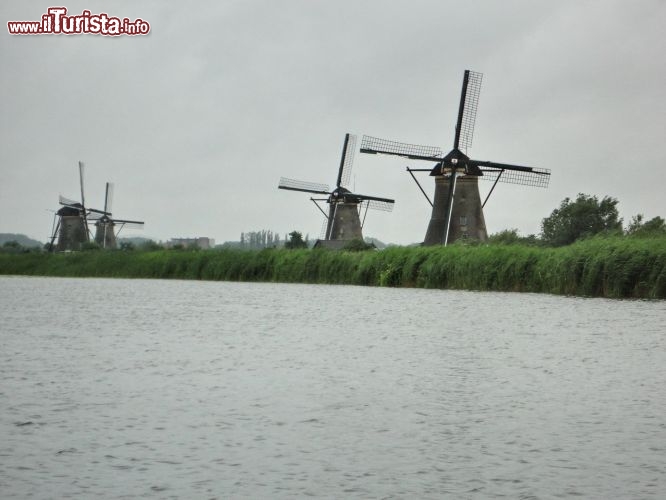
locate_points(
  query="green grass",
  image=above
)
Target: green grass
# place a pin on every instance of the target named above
(602, 267)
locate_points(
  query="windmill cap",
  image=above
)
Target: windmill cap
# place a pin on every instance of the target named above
(345, 195)
(70, 210)
(458, 159)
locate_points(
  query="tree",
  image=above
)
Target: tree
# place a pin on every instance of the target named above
(654, 227)
(578, 219)
(295, 241)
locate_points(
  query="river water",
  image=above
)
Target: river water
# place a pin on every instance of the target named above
(183, 389)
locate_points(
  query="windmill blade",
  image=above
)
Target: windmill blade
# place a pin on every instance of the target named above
(324, 226)
(108, 197)
(93, 215)
(83, 202)
(383, 206)
(375, 198)
(67, 202)
(501, 166)
(81, 168)
(129, 223)
(469, 103)
(346, 161)
(307, 187)
(54, 233)
(535, 177)
(375, 145)
(102, 212)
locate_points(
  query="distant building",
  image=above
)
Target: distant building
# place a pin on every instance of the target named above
(201, 242)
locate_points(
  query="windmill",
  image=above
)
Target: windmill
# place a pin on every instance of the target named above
(343, 220)
(457, 211)
(71, 221)
(105, 234)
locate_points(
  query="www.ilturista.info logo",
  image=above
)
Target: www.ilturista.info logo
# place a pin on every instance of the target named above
(57, 22)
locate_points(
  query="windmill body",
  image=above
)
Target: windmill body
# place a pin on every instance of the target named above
(457, 210)
(343, 220)
(72, 230)
(105, 233)
(467, 220)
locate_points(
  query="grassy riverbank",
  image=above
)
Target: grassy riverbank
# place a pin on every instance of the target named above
(601, 267)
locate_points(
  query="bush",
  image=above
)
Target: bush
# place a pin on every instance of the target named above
(358, 245)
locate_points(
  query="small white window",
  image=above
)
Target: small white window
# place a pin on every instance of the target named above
(463, 220)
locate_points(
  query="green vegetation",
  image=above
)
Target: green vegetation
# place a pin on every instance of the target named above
(582, 218)
(511, 237)
(358, 245)
(655, 227)
(613, 266)
(295, 241)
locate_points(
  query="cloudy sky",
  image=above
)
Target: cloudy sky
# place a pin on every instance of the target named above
(196, 122)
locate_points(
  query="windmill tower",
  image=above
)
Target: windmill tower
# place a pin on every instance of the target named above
(105, 233)
(343, 221)
(457, 210)
(71, 227)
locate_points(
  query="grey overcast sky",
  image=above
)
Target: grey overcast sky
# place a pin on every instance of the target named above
(196, 122)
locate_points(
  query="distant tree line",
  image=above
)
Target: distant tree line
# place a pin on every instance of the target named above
(259, 239)
(21, 239)
(16, 247)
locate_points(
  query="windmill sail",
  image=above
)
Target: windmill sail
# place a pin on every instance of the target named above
(469, 103)
(67, 202)
(535, 177)
(108, 197)
(137, 224)
(384, 206)
(371, 198)
(346, 161)
(83, 202)
(307, 187)
(375, 145)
